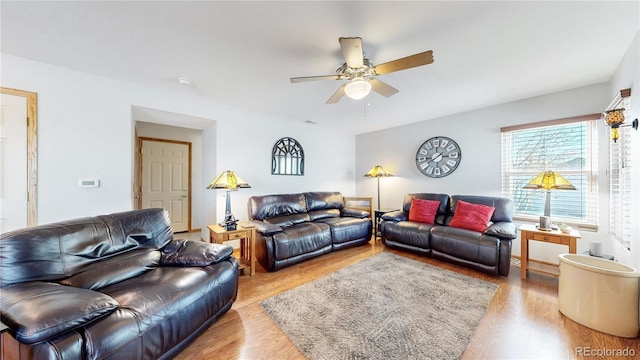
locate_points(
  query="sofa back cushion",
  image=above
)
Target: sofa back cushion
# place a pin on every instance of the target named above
(443, 208)
(263, 208)
(322, 205)
(114, 269)
(59, 250)
(504, 208)
(324, 200)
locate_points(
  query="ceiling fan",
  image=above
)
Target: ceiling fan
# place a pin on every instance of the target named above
(361, 72)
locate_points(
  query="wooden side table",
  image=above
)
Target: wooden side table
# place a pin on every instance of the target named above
(531, 232)
(246, 234)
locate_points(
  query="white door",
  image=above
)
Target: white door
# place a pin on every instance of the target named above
(13, 162)
(165, 179)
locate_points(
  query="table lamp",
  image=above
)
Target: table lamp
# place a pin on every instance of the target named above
(548, 180)
(230, 181)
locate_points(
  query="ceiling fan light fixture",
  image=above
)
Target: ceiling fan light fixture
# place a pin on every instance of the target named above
(357, 89)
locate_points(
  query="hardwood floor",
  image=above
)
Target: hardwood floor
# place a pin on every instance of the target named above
(522, 322)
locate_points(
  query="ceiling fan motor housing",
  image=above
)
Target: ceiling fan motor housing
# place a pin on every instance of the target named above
(349, 73)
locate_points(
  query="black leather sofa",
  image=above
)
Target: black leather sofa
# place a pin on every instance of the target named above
(110, 287)
(488, 251)
(292, 228)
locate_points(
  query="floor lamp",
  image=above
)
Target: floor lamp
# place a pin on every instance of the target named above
(228, 180)
(378, 172)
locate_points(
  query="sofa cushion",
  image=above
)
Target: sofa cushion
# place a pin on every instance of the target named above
(301, 239)
(471, 216)
(411, 233)
(323, 214)
(193, 253)
(288, 220)
(37, 311)
(423, 211)
(162, 292)
(347, 229)
(114, 269)
(465, 244)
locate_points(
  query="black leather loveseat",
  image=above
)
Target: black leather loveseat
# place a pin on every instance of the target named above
(487, 250)
(292, 228)
(110, 287)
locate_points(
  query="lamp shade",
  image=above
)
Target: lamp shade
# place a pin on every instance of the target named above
(614, 117)
(228, 180)
(549, 180)
(357, 89)
(378, 171)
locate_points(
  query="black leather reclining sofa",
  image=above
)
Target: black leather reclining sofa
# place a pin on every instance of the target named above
(292, 228)
(110, 287)
(488, 251)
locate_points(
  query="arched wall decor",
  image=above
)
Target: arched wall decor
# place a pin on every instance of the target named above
(287, 157)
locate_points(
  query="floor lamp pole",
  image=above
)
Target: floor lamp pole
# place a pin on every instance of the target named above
(378, 178)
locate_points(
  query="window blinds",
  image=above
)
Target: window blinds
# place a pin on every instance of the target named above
(620, 207)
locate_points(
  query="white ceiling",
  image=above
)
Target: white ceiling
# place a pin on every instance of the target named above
(242, 54)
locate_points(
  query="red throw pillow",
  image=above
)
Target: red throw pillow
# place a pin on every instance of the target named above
(423, 211)
(472, 216)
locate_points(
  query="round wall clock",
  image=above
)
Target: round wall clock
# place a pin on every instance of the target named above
(438, 157)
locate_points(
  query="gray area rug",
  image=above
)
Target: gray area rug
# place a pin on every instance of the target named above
(384, 307)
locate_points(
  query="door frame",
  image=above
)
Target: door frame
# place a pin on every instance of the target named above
(32, 151)
(138, 178)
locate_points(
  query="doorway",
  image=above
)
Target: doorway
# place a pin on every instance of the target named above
(18, 159)
(165, 179)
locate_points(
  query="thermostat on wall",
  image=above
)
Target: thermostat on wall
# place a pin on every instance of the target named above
(89, 183)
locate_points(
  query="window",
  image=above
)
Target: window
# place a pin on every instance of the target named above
(567, 146)
(620, 168)
(287, 157)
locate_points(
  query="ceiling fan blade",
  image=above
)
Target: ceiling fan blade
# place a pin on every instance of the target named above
(382, 88)
(337, 95)
(352, 51)
(314, 78)
(408, 62)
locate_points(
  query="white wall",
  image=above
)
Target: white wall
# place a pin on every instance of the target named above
(86, 131)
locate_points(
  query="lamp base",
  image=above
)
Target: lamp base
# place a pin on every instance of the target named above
(229, 223)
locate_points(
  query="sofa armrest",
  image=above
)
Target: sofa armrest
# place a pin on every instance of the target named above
(265, 228)
(395, 216)
(503, 230)
(356, 213)
(193, 253)
(36, 311)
